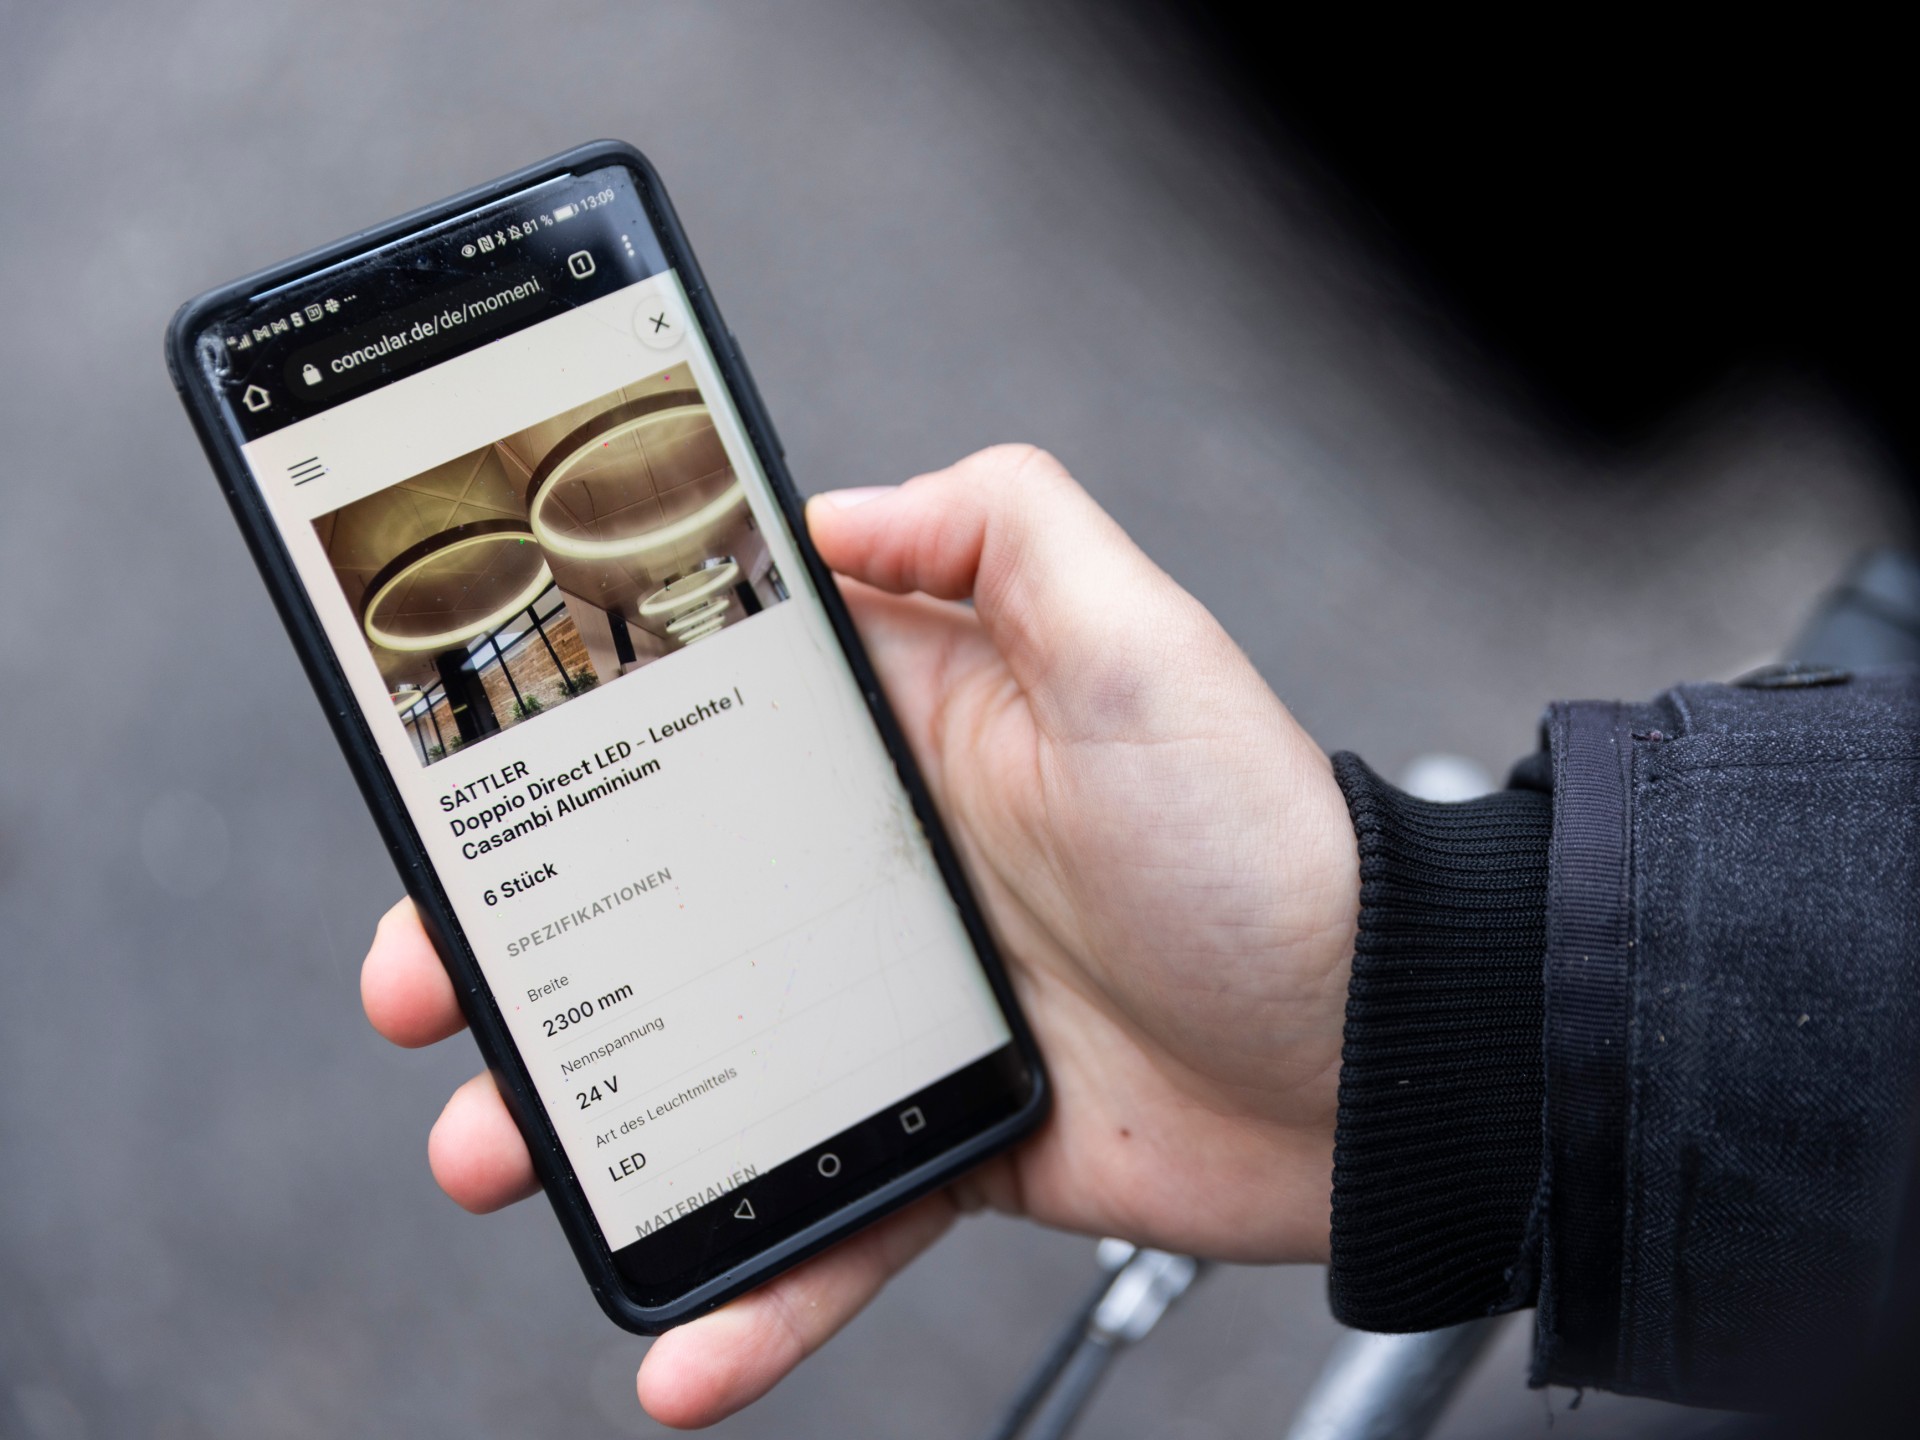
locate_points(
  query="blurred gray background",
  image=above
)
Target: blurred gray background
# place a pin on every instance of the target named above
(934, 226)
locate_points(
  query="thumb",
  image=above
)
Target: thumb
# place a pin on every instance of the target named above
(1096, 634)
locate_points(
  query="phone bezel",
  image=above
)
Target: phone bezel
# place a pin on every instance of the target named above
(403, 842)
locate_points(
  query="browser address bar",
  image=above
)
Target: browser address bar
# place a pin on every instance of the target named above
(405, 337)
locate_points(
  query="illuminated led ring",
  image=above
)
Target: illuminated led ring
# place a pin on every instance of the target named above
(720, 573)
(603, 430)
(713, 628)
(712, 609)
(438, 547)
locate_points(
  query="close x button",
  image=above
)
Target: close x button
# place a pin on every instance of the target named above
(656, 323)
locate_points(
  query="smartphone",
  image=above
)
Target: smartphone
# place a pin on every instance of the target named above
(531, 531)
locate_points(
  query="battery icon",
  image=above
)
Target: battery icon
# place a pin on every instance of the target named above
(564, 212)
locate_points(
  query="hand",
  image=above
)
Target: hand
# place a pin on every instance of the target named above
(1166, 859)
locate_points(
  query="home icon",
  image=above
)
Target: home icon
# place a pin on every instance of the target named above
(256, 398)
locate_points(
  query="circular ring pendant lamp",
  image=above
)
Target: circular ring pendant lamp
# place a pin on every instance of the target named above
(693, 619)
(635, 418)
(507, 562)
(683, 592)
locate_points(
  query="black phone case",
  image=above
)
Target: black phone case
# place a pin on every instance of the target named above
(403, 843)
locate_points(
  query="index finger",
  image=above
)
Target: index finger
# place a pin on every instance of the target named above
(403, 985)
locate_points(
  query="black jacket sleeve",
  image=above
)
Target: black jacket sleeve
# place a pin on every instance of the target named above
(1722, 1041)
(1437, 1145)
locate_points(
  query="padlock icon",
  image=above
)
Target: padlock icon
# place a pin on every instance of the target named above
(310, 374)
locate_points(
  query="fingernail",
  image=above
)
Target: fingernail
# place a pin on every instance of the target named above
(859, 495)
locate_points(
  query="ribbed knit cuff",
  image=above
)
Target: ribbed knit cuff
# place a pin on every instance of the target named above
(1437, 1151)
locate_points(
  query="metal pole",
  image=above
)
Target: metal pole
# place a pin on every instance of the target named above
(1390, 1387)
(1138, 1288)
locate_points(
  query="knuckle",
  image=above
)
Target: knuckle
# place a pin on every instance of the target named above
(1012, 465)
(1023, 466)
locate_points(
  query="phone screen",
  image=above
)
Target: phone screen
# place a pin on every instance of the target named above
(527, 514)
